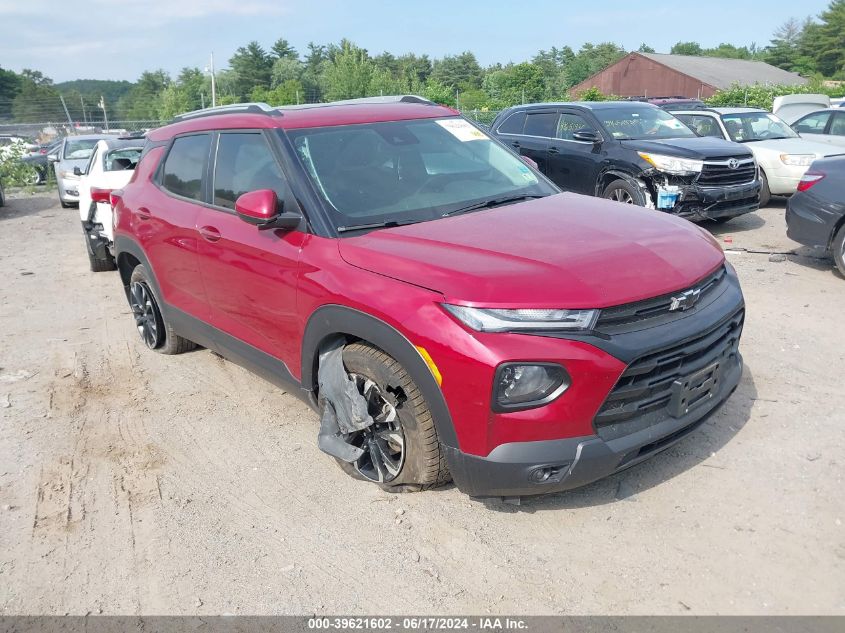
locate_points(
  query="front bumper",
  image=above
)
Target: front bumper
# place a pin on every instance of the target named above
(710, 203)
(508, 470)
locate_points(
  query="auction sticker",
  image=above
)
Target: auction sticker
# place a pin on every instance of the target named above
(461, 130)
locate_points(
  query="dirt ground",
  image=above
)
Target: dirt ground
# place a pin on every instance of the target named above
(135, 483)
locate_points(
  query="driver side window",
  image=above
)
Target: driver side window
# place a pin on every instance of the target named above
(244, 163)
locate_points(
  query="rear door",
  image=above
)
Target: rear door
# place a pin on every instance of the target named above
(165, 223)
(528, 132)
(249, 274)
(573, 164)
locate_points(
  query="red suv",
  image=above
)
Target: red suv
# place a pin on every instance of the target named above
(449, 313)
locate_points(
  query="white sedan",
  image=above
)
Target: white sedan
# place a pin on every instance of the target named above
(109, 168)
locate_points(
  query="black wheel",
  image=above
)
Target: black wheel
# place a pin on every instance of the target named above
(838, 248)
(624, 192)
(402, 452)
(97, 264)
(154, 330)
(765, 193)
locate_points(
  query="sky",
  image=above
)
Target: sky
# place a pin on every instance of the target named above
(113, 39)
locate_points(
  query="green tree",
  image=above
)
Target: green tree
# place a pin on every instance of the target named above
(414, 68)
(687, 48)
(645, 48)
(282, 49)
(783, 48)
(515, 83)
(458, 72)
(10, 86)
(728, 51)
(590, 60)
(348, 72)
(287, 93)
(285, 69)
(252, 67)
(824, 41)
(37, 100)
(141, 103)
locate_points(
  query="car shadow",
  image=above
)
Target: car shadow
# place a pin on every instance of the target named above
(744, 223)
(694, 451)
(815, 259)
(29, 205)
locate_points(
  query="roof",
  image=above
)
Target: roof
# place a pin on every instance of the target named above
(317, 115)
(589, 105)
(722, 73)
(89, 137)
(118, 143)
(717, 110)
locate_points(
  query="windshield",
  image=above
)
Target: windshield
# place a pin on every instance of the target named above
(756, 126)
(627, 123)
(409, 171)
(80, 148)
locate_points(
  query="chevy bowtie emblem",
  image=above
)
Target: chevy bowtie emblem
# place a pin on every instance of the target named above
(733, 163)
(685, 300)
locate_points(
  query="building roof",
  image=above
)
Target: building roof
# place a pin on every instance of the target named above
(722, 73)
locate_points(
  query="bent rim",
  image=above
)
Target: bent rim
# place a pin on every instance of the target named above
(383, 442)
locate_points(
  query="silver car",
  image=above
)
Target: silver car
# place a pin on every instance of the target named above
(70, 162)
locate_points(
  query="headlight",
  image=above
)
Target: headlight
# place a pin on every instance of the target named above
(523, 385)
(673, 165)
(798, 160)
(495, 320)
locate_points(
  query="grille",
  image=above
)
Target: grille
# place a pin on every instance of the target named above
(720, 174)
(643, 393)
(621, 318)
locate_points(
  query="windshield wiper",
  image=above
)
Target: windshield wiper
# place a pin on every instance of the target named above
(389, 224)
(489, 204)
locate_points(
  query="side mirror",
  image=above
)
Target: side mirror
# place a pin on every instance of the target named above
(587, 136)
(262, 208)
(53, 158)
(77, 171)
(530, 162)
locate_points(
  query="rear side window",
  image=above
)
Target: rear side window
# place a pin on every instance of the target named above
(541, 124)
(185, 165)
(838, 125)
(513, 124)
(244, 163)
(122, 159)
(813, 124)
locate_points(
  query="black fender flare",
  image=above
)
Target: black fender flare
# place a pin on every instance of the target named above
(124, 245)
(332, 320)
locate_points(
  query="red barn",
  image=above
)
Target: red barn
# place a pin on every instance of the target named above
(653, 75)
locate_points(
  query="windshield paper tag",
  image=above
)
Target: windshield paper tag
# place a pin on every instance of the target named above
(461, 130)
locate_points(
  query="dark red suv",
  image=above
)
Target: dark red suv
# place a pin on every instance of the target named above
(449, 313)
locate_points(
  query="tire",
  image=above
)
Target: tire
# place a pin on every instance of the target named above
(838, 249)
(155, 332)
(97, 265)
(765, 192)
(624, 192)
(421, 463)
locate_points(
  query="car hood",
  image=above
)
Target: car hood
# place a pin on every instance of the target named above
(563, 251)
(794, 146)
(699, 147)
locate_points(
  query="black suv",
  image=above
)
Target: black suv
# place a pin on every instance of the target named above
(636, 153)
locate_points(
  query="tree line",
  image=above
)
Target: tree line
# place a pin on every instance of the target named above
(281, 75)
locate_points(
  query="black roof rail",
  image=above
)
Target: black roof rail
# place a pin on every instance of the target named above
(234, 108)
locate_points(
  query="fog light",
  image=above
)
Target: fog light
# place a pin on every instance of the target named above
(524, 386)
(547, 474)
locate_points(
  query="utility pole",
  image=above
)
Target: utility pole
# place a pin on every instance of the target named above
(458, 100)
(202, 100)
(64, 105)
(213, 84)
(84, 118)
(102, 105)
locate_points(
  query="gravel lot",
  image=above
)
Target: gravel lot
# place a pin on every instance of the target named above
(134, 483)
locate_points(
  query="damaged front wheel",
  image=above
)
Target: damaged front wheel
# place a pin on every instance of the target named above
(624, 192)
(400, 450)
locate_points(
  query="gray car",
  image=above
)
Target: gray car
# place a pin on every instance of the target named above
(75, 151)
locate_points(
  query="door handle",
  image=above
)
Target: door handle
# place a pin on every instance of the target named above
(209, 233)
(516, 144)
(143, 213)
(554, 150)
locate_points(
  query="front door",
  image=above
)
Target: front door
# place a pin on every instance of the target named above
(249, 274)
(573, 164)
